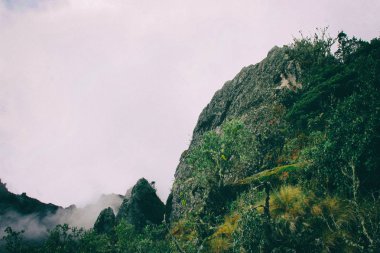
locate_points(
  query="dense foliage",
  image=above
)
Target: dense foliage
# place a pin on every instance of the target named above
(124, 238)
(316, 143)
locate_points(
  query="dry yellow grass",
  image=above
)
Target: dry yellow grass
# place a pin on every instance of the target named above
(221, 240)
(288, 202)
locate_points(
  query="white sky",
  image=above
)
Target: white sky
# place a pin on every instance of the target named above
(95, 94)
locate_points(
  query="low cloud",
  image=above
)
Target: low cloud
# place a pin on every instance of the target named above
(32, 225)
(35, 226)
(85, 217)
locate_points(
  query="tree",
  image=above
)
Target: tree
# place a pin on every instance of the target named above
(64, 239)
(13, 241)
(346, 47)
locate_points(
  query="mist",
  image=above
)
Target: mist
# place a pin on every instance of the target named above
(32, 225)
(37, 226)
(95, 94)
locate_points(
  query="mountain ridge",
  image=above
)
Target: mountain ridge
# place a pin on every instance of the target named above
(284, 158)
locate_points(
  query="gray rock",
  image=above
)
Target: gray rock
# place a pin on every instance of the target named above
(143, 206)
(250, 96)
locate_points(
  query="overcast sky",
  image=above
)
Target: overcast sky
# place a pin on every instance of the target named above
(95, 94)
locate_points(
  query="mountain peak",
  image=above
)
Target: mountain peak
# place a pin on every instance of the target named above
(143, 206)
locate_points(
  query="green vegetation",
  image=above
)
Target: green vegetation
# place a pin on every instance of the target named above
(273, 176)
(105, 221)
(284, 159)
(317, 147)
(65, 239)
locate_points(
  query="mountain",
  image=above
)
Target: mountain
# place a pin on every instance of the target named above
(23, 204)
(143, 206)
(252, 96)
(22, 212)
(105, 222)
(284, 158)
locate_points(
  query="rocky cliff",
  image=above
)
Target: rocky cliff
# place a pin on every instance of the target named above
(285, 154)
(143, 206)
(253, 95)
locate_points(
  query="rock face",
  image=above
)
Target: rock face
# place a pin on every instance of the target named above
(252, 95)
(143, 207)
(253, 86)
(105, 222)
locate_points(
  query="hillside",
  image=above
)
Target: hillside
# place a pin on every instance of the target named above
(24, 213)
(18, 211)
(284, 158)
(23, 204)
